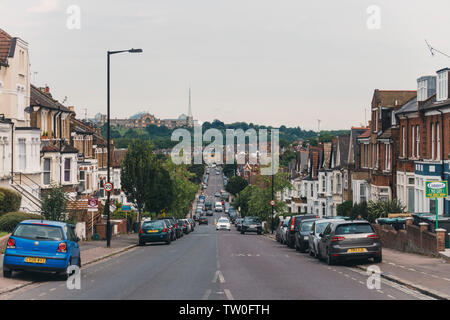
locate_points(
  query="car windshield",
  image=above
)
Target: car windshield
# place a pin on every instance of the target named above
(252, 220)
(153, 224)
(307, 226)
(320, 227)
(223, 220)
(39, 232)
(353, 228)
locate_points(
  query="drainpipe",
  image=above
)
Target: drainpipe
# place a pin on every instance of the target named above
(55, 133)
(441, 132)
(12, 152)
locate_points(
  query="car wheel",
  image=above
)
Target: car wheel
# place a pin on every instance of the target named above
(311, 253)
(242, 232)
(168, 241)
(259, 232)
(141, 243)
(297, 248)
(7, 273)
(65, 275)
(378, 259)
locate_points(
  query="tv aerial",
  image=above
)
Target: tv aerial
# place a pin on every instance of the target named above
(433, 50)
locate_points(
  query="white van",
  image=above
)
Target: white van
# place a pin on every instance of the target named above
(218, 207)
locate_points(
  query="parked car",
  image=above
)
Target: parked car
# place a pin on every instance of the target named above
(171, 226)
(186, 226)
(196, 217)
(177, 229)
(154, 231)
(217, 194)
(238, 223)
(208, 205)
(345, 240)
(251, 224)
(223, 224)
(203, 220)
(284, 231)
(233, 217)
(301, 236)
(279, 230)
(43, 246)
(293, 224)
(192, 222)
(314, 235)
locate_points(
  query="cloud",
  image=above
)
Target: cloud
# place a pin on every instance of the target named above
(45, 6)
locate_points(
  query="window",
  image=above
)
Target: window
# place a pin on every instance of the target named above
(22, 154)
(362, 193)
(82, 185)
(323, 184)
(47, 172)
(442, 86)
(412, 141)
(417, 141)
(67, 170)
(438, 142)
(422, 90)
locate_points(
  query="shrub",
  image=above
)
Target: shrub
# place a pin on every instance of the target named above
(381, 209)
(9, 201)
(10, 220)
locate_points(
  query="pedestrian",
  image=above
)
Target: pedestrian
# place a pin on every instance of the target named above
(359, 217)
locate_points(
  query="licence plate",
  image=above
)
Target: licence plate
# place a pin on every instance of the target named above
(152, 231)
(35, 260)
(357, 250)
(253, 226)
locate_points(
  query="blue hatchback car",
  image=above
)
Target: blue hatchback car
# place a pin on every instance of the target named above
(43, 246)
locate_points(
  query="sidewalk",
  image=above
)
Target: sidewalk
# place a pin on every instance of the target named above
(91, 251)
(426, 274)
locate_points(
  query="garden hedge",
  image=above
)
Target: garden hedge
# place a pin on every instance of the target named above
(9, 201)
(10, 220)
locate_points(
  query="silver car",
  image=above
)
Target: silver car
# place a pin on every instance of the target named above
(284, 231)
(314, 237)
(347, 240)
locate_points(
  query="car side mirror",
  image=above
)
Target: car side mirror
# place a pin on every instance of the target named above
(311, 232)
(77, 239)
(321, 234)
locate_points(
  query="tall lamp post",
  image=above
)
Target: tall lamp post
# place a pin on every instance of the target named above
(108, 221)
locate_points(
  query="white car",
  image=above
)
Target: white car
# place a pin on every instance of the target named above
(223, 224)
(218, 207)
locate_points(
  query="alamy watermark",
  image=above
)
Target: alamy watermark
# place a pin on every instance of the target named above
(74, 278)
(374, 280)
(73, 21)
(258, 151)
(374, 19)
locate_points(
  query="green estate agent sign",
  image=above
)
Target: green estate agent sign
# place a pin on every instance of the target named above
(436, 190)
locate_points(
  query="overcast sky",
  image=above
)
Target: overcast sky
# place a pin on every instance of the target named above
(269, 62)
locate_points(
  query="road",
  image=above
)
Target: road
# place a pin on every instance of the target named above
(212, 265)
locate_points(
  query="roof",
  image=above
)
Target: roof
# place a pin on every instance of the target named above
(50, 223)
(386, 134)
(5, 46)
(392, 98)
(410, 106)
(41, 99)
(365, 134)
(343, 144)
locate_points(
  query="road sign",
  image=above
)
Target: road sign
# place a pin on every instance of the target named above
(272, 203)
(108, 187)
(92, 204)
(436, 189)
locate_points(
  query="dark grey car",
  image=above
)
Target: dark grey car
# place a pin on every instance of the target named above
(302, 235)
(347, 240)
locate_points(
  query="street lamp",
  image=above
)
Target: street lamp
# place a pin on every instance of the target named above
(108, 221)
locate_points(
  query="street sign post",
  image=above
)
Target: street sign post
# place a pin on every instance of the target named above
(108, 187)
(92, 207)
(272, 203)
(436, 190)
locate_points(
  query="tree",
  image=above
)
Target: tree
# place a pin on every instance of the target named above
(137, 172)
(344, 209)
(236, 184)
(160, 189)
(381, 209)
(54, 204)
(229, 170)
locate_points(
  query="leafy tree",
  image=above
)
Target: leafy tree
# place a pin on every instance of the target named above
(54, 204)
(381, 209)
(236, 184)
(137, 172)
(229, 170)
(344, 209)
(160, 189)
(286, 157)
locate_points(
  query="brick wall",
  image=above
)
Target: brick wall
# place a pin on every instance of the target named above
(415, 239)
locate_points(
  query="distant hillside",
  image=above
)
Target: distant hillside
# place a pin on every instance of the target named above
(161, 136)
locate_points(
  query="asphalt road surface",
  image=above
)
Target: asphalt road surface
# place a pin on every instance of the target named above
(224, 265)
